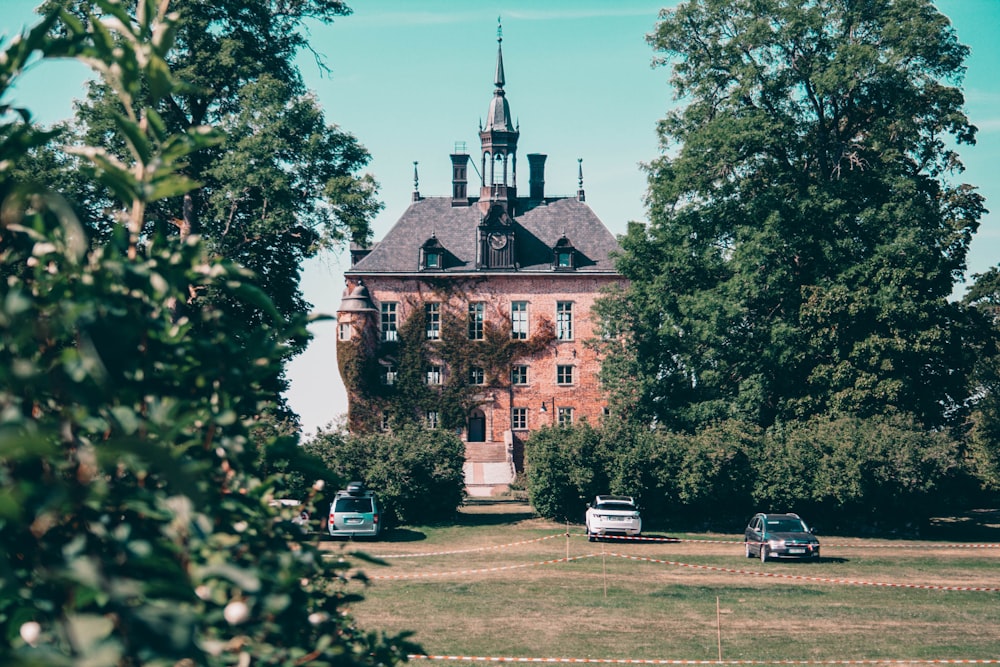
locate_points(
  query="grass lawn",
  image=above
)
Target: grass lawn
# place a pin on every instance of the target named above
(487, 587)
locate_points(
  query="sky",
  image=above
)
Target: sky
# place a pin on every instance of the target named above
(412, 78)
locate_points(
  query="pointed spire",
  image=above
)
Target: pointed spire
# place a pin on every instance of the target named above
(499, 117)
(580, 195)
(498, 79)
(416, 183)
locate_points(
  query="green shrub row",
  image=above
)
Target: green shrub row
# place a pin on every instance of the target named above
(884, 471)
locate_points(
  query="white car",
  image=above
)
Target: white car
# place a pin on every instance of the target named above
(613, 515)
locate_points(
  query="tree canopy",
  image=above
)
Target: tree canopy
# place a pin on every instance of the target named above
(282, 185)
(804, 236)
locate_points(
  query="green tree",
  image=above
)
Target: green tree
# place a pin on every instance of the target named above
(134, 527)
(984, 436)
(284, 184)
(804, 238)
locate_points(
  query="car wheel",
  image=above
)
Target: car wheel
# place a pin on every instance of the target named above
(763, 553)
(746, 546)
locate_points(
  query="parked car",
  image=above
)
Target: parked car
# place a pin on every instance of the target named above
(779, 536)
(613, 515)
(354, 512)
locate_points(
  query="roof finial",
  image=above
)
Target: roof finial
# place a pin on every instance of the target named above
(580, 195)
(499, 30)
(416, 183)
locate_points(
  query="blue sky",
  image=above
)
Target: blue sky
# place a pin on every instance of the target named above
(410, 79)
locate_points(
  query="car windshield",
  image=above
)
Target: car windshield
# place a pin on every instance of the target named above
(616, 506)
(353, 505)
(787, 526)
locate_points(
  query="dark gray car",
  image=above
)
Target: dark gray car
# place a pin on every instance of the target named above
(779, 536)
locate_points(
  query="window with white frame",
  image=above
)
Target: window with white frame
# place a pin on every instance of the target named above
(564, 374)
(477, 318)
(519, 320)
(564, 320)
(344, 331)
(519, 419)
(388, 374)
(519, 374)
(477, 375)
(434, 374)
(384, 421)
(433, 313)
(433, 419)
(389, 331)
(565, 416)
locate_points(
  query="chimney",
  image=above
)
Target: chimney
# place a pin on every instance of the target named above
(460, 176)
(536, 176)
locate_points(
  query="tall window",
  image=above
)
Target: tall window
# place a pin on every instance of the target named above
(564, 375)
(477, 316)
(519, 320)
(388, 374)
(564, 320)
(344, 330)
(519, 419)
(433, 312)
(389, 331)
(477, 375)
(433, 419)
(433, 375)
(519, 375)
(565, 416)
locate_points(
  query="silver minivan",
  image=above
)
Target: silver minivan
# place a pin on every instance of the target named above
(354, 512)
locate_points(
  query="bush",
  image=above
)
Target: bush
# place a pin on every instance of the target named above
(884, 469)
(416, 472)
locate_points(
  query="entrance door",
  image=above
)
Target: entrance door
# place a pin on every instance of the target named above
(477, 426)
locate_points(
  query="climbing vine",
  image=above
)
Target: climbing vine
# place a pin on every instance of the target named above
(408, 397)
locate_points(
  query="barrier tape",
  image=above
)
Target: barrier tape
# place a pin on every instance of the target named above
(936, 545)
(501, 568)
(466, 551)
(639, 661)
(800, 577)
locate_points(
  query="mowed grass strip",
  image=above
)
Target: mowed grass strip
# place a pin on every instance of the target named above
(604, 606)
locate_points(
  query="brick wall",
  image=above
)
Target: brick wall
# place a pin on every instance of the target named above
(542, 292)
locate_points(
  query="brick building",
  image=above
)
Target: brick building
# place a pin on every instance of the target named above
(483, 300)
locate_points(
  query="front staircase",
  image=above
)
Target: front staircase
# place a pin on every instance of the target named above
(489, 468)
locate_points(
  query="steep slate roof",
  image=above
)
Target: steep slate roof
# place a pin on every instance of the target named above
(538, 227)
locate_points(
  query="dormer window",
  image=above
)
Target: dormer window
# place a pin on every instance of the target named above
(563, 255)
(431, 255)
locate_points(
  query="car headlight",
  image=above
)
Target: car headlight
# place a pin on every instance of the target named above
(776, 544)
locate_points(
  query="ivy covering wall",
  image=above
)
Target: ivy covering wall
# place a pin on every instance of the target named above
(364, 359)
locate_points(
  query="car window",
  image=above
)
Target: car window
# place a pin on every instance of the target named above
(361, 505)
(786, 526)
(621, 507)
